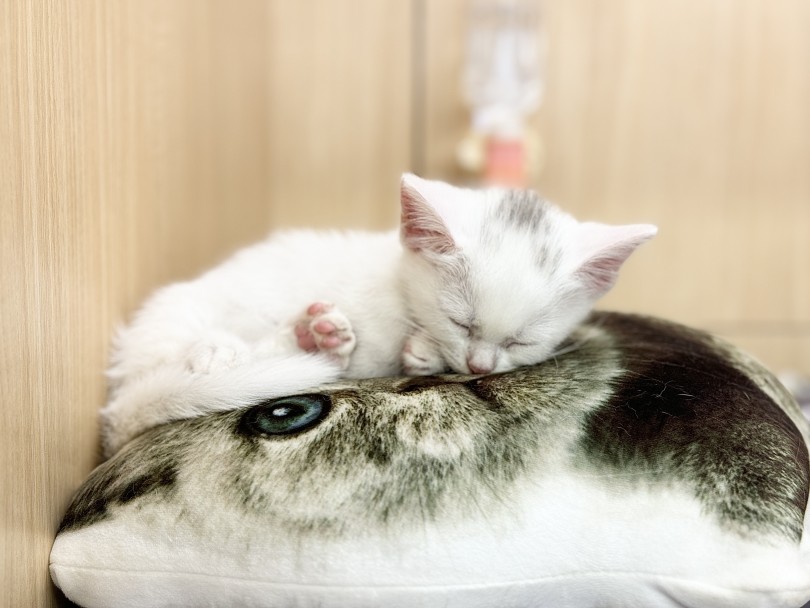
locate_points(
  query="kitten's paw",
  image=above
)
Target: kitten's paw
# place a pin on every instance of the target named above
(324, 329)
(211, 357)
(420, 358)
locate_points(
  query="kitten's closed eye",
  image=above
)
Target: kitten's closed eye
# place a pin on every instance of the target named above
(516, 343)
(462, 325)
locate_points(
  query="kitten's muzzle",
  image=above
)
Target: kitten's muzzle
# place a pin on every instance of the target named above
(482, 358)
(476, 368)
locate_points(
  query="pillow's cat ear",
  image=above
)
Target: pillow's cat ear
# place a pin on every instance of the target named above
(422, 227)
(602, 249)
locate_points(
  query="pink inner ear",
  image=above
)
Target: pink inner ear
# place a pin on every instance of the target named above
(606, 248)
(421, 228)
(600, 274)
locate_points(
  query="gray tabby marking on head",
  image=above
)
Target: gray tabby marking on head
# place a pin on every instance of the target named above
(639, 397)
(522, 210)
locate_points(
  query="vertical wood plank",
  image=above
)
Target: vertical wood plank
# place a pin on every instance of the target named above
(51, 350)
(446, 114)
(340, 75)
(690, 115)
(133, 151)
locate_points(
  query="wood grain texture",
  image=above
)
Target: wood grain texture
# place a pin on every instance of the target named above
(692, 115)
(141, 142)
(340, 125)
(133, 150)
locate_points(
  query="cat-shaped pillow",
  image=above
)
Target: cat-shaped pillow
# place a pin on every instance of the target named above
(649, 465)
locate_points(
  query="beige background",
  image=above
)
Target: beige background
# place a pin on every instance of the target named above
(141, 141)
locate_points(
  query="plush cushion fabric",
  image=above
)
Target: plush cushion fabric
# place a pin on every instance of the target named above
(649, 465)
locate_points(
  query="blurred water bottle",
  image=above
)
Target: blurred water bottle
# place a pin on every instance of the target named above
(503, 85)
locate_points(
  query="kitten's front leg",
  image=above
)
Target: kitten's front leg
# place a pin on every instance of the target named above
(216, 351)
(421, 357)
(327, 330)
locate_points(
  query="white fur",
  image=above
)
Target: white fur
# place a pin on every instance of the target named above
(169, 363)
(518, 310)
(226, 339)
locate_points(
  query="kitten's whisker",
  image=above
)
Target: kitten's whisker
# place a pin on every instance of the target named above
(575, 345)
(427, 337)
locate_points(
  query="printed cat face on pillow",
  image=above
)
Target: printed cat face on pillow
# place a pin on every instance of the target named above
(498, 278)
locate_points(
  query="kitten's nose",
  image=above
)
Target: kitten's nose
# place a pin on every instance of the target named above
(476, 367)
(481, 358)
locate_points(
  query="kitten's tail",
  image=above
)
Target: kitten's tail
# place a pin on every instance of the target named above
(171, 393)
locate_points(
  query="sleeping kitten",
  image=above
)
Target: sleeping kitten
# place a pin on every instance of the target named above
(478, 281)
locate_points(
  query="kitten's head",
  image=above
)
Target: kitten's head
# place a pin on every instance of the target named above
(500, 277)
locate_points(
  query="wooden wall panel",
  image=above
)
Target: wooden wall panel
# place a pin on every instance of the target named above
(141, 142)
(182, 131)
(340, 127)
(133, 151)
(50, 349)
(694, 115)
(443, 108)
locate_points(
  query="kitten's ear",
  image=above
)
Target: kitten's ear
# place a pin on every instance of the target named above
(421, 226)
(603, 249)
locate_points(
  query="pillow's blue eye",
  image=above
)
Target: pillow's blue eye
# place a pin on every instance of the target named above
(285, 416)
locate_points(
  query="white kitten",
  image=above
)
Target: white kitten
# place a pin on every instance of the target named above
(495, 279)
(487, 280)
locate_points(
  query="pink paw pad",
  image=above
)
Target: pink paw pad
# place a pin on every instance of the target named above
(305, 339)
(327, 330)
